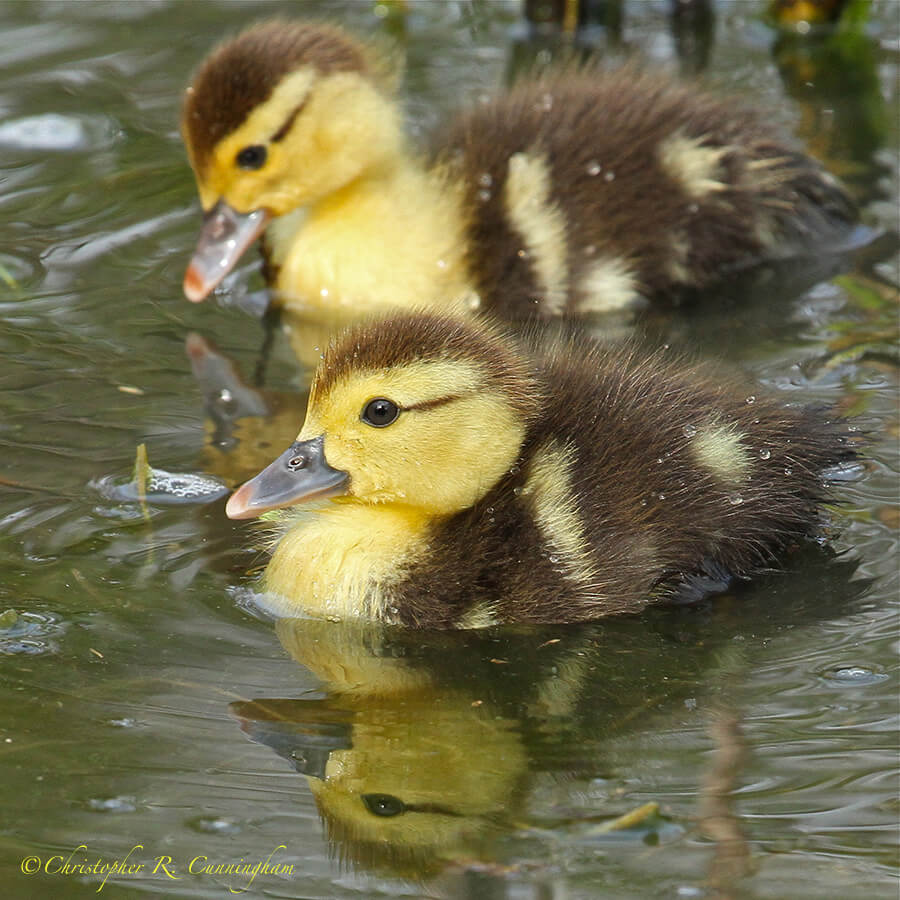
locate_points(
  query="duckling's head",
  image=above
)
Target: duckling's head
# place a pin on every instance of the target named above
(416, 410)
(274, 120)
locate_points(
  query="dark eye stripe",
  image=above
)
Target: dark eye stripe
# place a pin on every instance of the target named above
(289, 121)
(438, 401)
(432, 808)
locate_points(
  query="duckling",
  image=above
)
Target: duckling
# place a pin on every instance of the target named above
(451, 475)
(578, 190)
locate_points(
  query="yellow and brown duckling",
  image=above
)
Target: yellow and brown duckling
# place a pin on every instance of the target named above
(576, 191)
(449, 475)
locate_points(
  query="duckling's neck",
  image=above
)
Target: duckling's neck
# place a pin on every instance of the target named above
(344, 559)
(394, 237)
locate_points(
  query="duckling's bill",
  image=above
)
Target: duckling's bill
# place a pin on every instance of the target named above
(225, 235)
(299, 475)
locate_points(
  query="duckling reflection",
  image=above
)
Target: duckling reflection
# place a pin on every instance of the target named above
(831, 76)
(244, 424)
(423, 753)
(407, 771)
(429, 746)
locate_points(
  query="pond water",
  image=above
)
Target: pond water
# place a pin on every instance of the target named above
(146, 710)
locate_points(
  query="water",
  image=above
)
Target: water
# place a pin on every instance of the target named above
(147, 710)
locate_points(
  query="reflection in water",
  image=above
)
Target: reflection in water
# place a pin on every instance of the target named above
(245, 425)
(427, 747)
(832, 78)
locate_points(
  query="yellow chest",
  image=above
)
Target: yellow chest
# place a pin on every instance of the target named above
(395, 243)
(344, 561)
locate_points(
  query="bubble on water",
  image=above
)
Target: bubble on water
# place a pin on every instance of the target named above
(28, 633)
(853, 675)
(112, 804)
(214, 825)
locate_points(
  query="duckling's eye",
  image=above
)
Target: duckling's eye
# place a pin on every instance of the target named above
(380, 412)
(252, 157)
(383, 804)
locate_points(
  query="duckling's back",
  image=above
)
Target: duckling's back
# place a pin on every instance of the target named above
(640, 479)
(586, 189)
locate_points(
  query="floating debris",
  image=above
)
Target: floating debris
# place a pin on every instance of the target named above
(8, 279)
(637, 817)
(157, 486)
(645, 824)
(28, 634)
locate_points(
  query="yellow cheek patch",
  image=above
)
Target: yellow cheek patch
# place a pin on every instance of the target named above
(450, 444)
(719, 448)
(696, 167)
(417, 382)
(550, 492)
(222, 173)
(540, 223)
